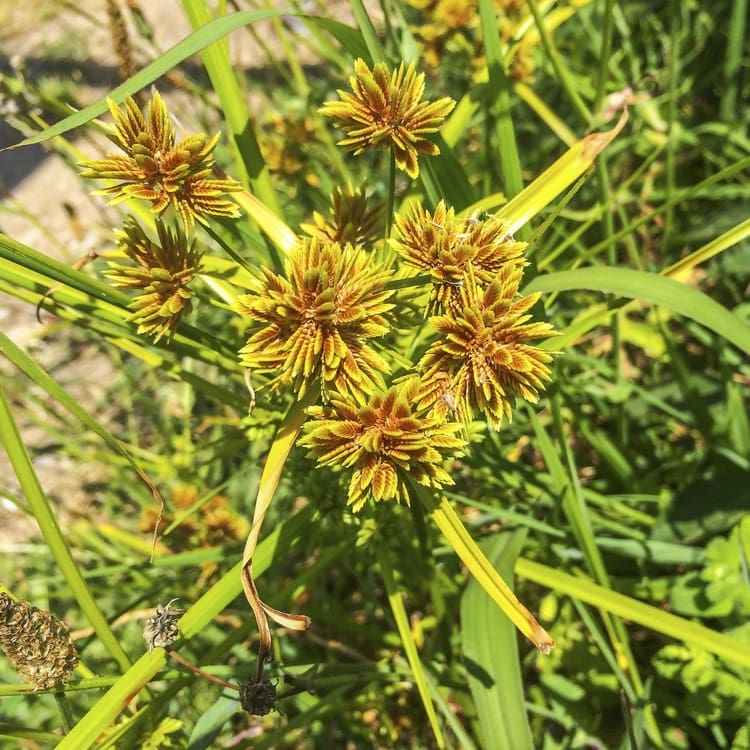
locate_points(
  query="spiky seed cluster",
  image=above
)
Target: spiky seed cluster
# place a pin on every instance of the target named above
(161, 274)
(482, 360)
(449, 249)
(258, 697)
(352, 218)
(161, 629)
(383, 442)
(38, 644)
(386, 111)
(156, 169)
(318, 319)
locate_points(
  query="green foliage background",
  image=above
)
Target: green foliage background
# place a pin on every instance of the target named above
(620, 501)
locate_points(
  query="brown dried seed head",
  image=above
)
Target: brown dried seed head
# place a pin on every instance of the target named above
(38, 644)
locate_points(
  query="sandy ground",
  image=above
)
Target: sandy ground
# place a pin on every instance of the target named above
(44, 205)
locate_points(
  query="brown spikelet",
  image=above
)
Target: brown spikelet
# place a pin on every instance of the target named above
(38, 644)
(120, 41)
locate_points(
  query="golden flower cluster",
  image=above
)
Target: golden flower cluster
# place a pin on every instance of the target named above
(353, 218)
(161, 273)
(449, 248)
(453, 27)
(482, 360)
(156, 169)
(317, 319)
(385, 111)
(385, 442)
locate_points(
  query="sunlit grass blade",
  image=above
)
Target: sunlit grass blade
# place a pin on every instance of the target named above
(410, 647)
(198, 616)
(191, 45)
(652, 288)
(681, 269)
(50, 529)
(278, 232)
(490, 649)
(370, 36)
(555, 179)
(734, 650)
(269, 481)
(498, 96)
(489, 579)
(233, 105)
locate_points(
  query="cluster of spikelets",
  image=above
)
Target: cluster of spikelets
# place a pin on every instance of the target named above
(168, 174)
(326, 325)
(326, 321)
(448, 33)
(38, 644)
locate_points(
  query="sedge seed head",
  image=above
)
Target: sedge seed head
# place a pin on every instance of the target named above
(385, 442)
(320, 319)
(385, 111)
(154, 168)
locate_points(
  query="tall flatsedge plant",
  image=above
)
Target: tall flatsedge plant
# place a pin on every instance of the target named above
(382, 337)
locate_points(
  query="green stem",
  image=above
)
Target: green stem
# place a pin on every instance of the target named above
(557, 63)
(608, 18)
(66, 715)
(391, 196)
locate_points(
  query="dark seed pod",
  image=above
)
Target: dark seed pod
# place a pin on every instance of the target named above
(258, 698)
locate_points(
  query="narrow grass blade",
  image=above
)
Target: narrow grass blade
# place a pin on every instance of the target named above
(269, 481)
(410, 647)
(733, 650)
(27, 365)
(490, 649)
(489, 579)
(117, 698)
(181, 51)
(45, 517)
(564, 172)
(652, 288)
(233, 105)
(370, 36)
(498, 94)
(682, 268)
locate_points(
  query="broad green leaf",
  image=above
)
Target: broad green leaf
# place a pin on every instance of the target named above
(653, 288)
(490, 649)
(733, 650)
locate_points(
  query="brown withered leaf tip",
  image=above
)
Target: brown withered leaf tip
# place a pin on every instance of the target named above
(482, 360)
(317, 319)
(383, 442)
(38, 644)
(156, 169)
(161, 274)
(385, 111)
